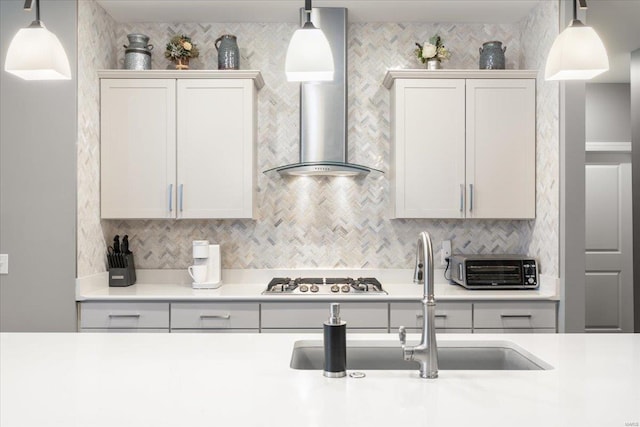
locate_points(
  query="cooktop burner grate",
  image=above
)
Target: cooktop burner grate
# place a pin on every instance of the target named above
(324, 286)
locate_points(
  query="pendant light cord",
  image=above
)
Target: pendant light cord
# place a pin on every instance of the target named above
(307, 10)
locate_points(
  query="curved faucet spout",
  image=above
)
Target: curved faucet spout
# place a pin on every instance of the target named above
(427, 351)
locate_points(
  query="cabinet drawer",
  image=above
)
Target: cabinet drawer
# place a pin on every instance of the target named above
(215, 316)
(514, 315)
(124, 315)
(448, 315)
(515, 331)
(313, 315)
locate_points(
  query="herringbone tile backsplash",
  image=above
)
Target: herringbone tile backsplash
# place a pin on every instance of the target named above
(317, 222)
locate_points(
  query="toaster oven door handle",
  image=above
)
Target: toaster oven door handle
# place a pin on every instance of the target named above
(515, 316)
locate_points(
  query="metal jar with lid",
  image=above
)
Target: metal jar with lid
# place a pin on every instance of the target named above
(492, 56)
(137, 56)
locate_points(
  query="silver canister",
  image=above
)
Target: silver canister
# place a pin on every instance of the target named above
(137, 56)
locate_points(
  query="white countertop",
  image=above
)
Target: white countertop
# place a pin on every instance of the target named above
(184, 380)
(247, 285)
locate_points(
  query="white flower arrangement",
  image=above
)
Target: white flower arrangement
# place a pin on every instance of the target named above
(435, 49)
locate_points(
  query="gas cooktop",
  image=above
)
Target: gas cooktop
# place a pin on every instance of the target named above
(324, 286)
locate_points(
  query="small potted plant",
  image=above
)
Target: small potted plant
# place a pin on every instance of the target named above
(180, 49)
(432, 53)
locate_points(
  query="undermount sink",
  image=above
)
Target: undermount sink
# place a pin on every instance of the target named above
(452, 355)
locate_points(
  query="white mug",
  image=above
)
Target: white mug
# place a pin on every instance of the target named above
(198, 272)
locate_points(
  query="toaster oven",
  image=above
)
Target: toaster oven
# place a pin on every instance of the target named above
(494, 271)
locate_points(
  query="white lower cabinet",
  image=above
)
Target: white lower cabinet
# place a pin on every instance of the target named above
(215, 317)
(450, 316)
(303, 315)
(496, 317)
(124, 316)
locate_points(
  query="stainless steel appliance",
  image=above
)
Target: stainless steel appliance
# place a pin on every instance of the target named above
(323, 108)
(495, 271)
(324, 286)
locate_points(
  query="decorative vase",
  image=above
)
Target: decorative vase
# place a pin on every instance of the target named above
(433, 64)
(228, 52)
(492, 56)
(182, 63)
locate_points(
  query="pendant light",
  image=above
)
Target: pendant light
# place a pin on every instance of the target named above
(35, 53)
(577, 53)
(309, 56)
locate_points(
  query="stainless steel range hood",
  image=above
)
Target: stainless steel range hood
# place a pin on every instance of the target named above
(323, 108)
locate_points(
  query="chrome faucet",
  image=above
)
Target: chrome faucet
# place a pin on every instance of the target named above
(427, 351)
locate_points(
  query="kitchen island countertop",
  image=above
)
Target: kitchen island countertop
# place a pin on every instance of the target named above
(70, 379)
(247, 285)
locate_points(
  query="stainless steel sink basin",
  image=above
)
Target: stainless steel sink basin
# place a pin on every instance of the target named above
(452, 355)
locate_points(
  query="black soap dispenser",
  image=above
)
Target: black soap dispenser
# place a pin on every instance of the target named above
(335, 344)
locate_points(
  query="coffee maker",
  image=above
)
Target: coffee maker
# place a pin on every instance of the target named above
(205, 270)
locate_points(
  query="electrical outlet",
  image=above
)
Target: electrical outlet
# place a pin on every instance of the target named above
(445, 252)
(4, 263)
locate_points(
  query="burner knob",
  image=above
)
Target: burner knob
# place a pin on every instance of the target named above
(345, 288)
(304, 288)
(314, 288)
(335, 288)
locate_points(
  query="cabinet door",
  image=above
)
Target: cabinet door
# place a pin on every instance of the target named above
(311, 315)
(501, 148)
(428, 170)
(137, 148)
(212, 315)
(216, 150)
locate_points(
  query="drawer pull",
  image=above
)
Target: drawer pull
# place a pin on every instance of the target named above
(215, 316)
(515, 316)
(420, 316)
(124, 315)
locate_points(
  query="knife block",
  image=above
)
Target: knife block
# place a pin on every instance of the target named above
(119, 277)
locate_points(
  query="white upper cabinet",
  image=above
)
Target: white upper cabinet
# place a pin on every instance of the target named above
(429, 169)
(463, 143)
(216, 150)
(180, 147)
(501, 148)
(137, 148)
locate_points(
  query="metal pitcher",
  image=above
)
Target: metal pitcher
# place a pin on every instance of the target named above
(137, 56)
(492, 56)
(228, 52)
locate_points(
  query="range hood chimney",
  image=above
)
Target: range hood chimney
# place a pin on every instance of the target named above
(323, 108)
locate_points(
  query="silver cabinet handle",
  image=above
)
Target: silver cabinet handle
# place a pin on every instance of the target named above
(180, 197)
(215, 316)
(470, 197)
(515, 316)
(420, 316)
(170, 197)
(124, 315)
(461, 197)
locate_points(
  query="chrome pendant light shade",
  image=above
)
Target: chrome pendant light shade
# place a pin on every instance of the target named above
(577, 53)
(35, 53)
(309, 56)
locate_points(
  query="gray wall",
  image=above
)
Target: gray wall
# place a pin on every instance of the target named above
(635, 161)
(38, 131)
(608, 112)
(572, 198)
